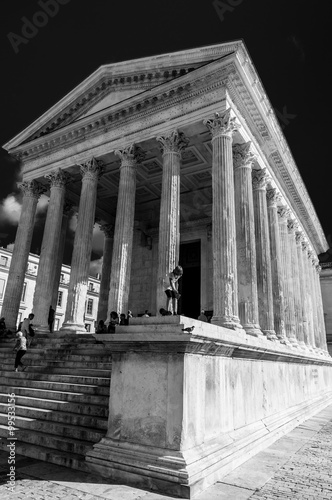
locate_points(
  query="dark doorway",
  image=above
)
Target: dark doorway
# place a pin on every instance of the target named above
(190, 283)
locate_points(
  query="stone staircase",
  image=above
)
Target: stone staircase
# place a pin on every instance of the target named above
(61, 399)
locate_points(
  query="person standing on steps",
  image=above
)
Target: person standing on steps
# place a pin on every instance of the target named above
(50, 320)
(26, 328)
(21, 349)
(171, 291)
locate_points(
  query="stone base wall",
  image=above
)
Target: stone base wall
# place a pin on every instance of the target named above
(188, 407)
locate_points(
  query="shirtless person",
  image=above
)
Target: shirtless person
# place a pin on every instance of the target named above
(172, 290)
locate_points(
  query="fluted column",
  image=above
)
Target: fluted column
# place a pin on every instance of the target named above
(124, 230)
(49, 250)
(273, 197)
(243, 159)
(312, 272)
(11, 302)
(80, 263)
(59, 258)
(320, 310)
(225, 286)
(303, 292)
(172, 146)
(283, 214)
(108, 230)
(292, 227)
(307, 263)
(263, 254)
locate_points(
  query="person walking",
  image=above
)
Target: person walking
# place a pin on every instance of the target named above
(50, 320)
(21, 349)
(26, 328)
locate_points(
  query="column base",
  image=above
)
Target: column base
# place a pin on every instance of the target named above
(284, 340)
(41, 329)
(253, 330)
(73, 328)
(270, 335)
(233, 323)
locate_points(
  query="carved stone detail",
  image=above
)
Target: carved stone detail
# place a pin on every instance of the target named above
(283, 213)
(272, 196)
(174, 142)
(108, 230)
(32, 189)
(242, 155)
(58, 178)
(92, 169)
(130, 155)
(260, 178)
(222, 124)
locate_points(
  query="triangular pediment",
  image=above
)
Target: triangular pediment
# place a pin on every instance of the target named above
(117, 82)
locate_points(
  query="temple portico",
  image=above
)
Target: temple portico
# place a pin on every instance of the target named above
(189, 167)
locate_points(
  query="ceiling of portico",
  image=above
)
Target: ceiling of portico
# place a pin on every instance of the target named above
(195, 188)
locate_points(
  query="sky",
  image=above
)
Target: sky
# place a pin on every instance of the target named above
(288, 42)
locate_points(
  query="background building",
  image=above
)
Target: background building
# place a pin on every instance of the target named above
(26, 304)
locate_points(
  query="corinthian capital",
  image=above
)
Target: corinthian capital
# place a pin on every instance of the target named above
(242, 155)
(272, 196)
(174, 142)
(283, 213)
(131, 155)
(58, 178)
(292, 225)
(222, 124)
(92, 169)
(32, 189)
(260, 178)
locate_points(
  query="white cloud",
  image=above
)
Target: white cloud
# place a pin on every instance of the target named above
(97, 239)
(95, 267)
(42, 203)
(10, 210)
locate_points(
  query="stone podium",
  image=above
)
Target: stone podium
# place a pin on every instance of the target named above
(186, 407)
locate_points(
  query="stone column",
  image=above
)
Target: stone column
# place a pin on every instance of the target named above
(124, 230)
(283, 214)
(43, 296)
(172, 146)
(79, 275)
(11, 302)
(303, 291)
(243, 159)
(263, 254)
(292, 227)
(273, 197)
(225, 287)
(59, 259)
(309, 300)
(312, 272)
(320, 310)
(108, 230)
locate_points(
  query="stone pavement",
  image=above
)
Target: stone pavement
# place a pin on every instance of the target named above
(297, 466)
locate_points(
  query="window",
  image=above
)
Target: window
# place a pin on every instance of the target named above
(23, 292)
(87, 327)
(62, 278)
(2, 288)
(60, 296)
(89, 307)
(56, 324)
(3, 261)
(91, 287)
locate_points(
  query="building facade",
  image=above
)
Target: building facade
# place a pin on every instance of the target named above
(181, 159)
(29, 285)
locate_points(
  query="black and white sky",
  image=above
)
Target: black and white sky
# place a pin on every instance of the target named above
(288, 41)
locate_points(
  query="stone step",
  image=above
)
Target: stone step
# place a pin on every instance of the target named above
(44, 369)
(64, 430)
(27, 360)
(57, 405)
(70, 379)
(58, 356)
(56, 386)
(72, 460)
(67, 444)
(92, 422)
(72, 397)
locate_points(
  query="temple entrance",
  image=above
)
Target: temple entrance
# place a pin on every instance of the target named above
(190, 283)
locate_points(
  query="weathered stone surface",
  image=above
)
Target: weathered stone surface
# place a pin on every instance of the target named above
(108, 230)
